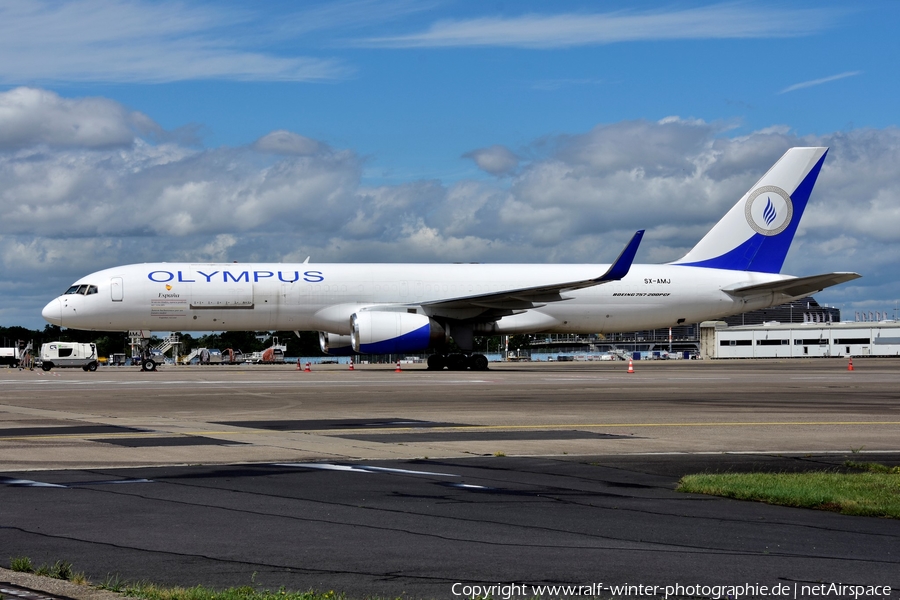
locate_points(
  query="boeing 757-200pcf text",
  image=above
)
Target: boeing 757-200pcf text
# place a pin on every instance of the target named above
(403, 308)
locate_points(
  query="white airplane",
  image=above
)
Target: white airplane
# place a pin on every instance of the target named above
(404, 308)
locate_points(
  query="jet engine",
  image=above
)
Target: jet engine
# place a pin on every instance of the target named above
(335, 344)
(381, 332)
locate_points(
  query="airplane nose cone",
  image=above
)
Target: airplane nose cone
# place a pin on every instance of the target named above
(52, 313)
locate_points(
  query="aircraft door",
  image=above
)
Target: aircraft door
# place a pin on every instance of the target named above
(115, 289)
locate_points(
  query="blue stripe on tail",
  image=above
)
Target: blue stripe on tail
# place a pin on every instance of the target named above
(766, 254)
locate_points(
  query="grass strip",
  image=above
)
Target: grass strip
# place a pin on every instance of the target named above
(871, 493)
(61, 569)
(148, 591)
(871, 467)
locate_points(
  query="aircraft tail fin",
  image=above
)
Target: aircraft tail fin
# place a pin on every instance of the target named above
(756, 234)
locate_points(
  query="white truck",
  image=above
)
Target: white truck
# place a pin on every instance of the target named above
(9, 356)
(17, 356)
(69, 354)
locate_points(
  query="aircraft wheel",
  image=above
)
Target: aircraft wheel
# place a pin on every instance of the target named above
(435, 362)
(478, 362)
(148, 365)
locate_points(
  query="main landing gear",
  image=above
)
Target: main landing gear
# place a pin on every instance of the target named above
(458, 362)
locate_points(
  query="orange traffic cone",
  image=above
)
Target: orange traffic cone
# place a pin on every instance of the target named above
(850, 365)
(398, 369)
(630, 366)
(351, 363)
(307, 369)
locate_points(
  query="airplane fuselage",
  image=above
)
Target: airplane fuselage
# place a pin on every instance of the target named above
(323, 297)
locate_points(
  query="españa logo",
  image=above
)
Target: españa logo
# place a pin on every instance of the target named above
(769, 210)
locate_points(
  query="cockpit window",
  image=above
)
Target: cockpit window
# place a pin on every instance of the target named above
(83, 289)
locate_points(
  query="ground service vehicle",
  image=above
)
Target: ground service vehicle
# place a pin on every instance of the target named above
(69, 354)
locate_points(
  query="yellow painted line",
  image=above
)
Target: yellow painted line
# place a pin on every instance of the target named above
(697, 424)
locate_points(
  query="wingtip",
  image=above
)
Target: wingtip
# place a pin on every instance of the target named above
(623, 262)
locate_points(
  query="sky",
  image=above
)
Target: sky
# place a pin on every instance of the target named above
(436, 131)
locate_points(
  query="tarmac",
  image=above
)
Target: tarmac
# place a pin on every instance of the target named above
(376, 482)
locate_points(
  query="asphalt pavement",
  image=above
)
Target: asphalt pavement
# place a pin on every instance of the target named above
(406, 484)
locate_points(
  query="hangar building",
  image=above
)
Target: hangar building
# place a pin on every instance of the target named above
(793, 340)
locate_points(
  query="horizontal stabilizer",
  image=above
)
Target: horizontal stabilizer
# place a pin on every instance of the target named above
(796, 287)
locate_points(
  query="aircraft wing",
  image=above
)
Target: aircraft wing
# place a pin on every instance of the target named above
(507, 301)
(796, 287)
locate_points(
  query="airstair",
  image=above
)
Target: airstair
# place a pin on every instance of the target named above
(621, 354)
(187, 359)
(167, 344)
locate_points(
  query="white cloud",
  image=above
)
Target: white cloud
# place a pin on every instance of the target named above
(497, 160)
(286, 142)
(718, 21)
(139, 41)
(814, 82)
(30, 116)
(71, 206)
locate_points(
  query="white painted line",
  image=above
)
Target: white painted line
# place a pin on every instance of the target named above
(324, 467)
(407, 472)
(361, 469)
(468, 486)
(28, 483)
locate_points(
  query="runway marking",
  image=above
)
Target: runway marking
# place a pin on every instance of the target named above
(32, 483)
(324, 467)
(469, 486)
(361, 469)
(27, 483)
(689, 424)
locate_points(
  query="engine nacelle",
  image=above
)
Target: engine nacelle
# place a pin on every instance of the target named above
(381, 332)
(335, 345)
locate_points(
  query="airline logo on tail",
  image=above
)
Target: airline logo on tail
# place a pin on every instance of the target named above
(769, 210)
